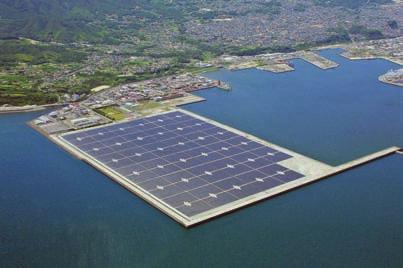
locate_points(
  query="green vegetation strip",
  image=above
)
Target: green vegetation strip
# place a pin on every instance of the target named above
(111, 112)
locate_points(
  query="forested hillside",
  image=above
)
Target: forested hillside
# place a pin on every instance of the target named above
(73, 20)
(84, 20)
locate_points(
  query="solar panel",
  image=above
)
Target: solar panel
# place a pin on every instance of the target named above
(185, 163)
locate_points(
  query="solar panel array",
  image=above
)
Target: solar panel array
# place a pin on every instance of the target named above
(189, 164)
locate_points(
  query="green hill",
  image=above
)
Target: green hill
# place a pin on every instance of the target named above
(85, 20)
(59, 20)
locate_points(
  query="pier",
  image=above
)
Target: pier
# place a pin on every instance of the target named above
(276, 68)
(317, 60)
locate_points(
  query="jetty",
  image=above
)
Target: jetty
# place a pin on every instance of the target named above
(317, 60)
(276, 67)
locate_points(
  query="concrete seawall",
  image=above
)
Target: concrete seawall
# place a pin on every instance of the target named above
(368, 158)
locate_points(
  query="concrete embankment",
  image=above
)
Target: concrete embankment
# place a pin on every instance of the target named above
(243, 65)
(279, 62)
(398, 82)
(349, 56)
(22, 109)
(276, 68)
(188, 99)
(27, 108)
(318, 60)
(367, 159)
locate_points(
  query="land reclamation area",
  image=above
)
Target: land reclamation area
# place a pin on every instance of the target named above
(338, 112)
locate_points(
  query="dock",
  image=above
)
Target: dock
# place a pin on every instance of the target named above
(317, 60)
(21, 109)
(224, 86)
(276, 68)
(243, 65)
(187, 99)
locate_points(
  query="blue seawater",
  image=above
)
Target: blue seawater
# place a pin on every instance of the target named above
(56, 211)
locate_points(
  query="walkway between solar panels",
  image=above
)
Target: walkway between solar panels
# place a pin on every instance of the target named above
(192, 168)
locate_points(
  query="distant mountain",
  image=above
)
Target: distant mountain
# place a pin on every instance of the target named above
(84, 20)
(56, 19)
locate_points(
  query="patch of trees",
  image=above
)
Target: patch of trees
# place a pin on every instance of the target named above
(338, 34)
(299, 7)
(14, 51)
(27, 98)
(367, 33)
(393, 24)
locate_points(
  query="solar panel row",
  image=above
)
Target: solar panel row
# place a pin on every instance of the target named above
(189, 164)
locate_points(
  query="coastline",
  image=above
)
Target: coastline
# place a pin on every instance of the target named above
(27, 108)
(272, 62)
(371, 57)
(21, 109)
(383, 80)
